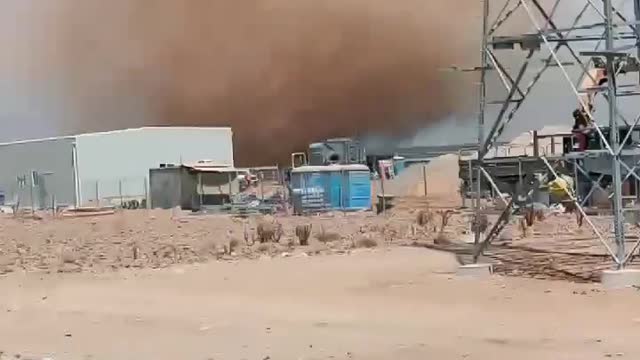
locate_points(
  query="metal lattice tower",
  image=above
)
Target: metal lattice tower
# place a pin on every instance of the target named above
(613, 36)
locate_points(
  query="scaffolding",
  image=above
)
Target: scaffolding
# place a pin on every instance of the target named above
(612, 34)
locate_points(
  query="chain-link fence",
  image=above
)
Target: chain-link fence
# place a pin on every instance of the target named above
(129, 193)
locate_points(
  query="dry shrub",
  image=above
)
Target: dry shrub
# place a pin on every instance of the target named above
(529, 216)
(303, 232)
(233, 244)
(424, 218)
(523, 227)
(249, 237)
(269, 232)
(69, 256)
(479, 223)
(445, 215)
(263, 247)
(579, 218)
(167, 251)
(327, 236)
(135, 251)
(207, 246)
(572, 208)
(366, 243)
(441, 239)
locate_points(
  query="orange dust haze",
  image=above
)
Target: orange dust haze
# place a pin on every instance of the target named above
(282, 73)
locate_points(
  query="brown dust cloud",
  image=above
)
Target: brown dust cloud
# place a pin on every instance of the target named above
(282, 73)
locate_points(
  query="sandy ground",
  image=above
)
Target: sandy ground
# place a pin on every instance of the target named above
(372, 304)
(169, 285)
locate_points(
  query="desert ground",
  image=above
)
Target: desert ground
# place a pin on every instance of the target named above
(398, 303)
(156, 284)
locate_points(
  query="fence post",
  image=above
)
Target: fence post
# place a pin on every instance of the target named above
(424, 178)
(200, 187)
(120, 192)
(146, 194)
(54, 205)
(97, 194)
(31, 186)
(230, 181)
(261, 186)
(383, 199)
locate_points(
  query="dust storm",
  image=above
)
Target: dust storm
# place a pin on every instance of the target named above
(282, 73)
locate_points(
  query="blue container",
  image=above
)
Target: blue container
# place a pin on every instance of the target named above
(331, 187)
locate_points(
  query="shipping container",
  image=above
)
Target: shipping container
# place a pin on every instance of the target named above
(331, 187)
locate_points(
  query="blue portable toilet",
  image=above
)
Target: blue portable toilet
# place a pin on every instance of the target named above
(330, 187)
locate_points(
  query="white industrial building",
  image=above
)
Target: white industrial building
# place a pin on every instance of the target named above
(105, 166)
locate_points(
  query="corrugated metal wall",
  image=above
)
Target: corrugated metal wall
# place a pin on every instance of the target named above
(52, 157)
(166, 188)
(119, 161)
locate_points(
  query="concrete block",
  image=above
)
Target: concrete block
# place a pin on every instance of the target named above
(475, 271)
(620, 279)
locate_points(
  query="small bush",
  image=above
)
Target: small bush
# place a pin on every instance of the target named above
(529, 216)
(233, 244)
(68, 256)
(266, 232)
(445, 215)
(579, 218)
(303, 232)
(480, 223)
(326, 236)
(263, 248)
(441, 239)
(424, 217)
(523, 227)
(366, 243)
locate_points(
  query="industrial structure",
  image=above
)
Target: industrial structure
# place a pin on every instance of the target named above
(102, 167)
(191, 186)
(330, 152)
(594, 154)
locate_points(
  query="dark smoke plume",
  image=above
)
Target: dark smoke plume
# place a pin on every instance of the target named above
(282, 73)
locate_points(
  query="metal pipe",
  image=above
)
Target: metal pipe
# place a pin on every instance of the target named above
(636, 11)
(76, 175)
(482, 109)
(576, 180)
(520, 180)
(494, 186)
(614, 136)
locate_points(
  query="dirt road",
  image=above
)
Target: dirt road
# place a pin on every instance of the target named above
(382, 304)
